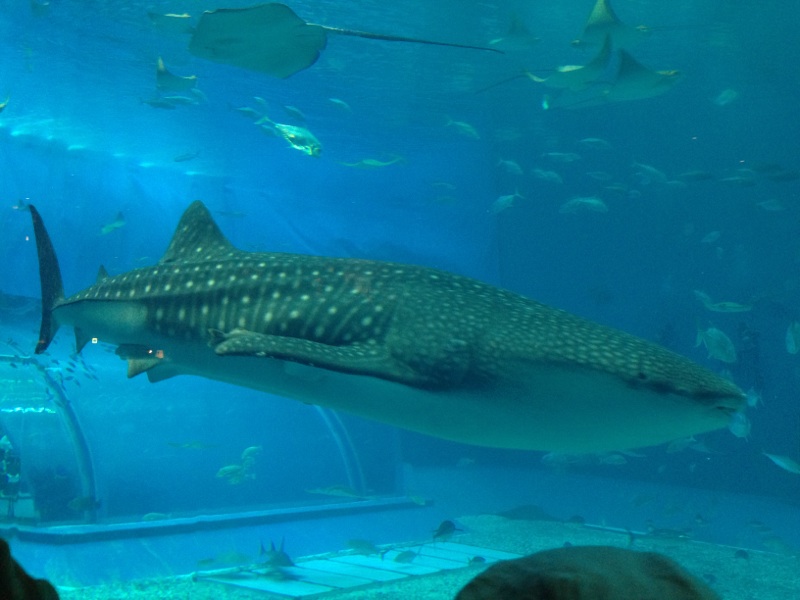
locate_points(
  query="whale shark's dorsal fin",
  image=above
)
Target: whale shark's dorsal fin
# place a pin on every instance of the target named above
(197, 237)
(101, 274)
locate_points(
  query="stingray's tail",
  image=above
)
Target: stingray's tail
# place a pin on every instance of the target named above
(50, 278)
(401, 38)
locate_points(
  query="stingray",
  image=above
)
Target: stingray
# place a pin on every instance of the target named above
(170, 82)
(603, 21)
(633, 81)
(576, 77)
(567, 77)
(271, 38)
(518, 37)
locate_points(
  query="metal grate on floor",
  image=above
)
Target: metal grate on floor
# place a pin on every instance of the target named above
(316, 576)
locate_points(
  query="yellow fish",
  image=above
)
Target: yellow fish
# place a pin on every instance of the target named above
(299, 138)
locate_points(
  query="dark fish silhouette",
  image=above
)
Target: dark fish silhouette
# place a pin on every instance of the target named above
(445, 530)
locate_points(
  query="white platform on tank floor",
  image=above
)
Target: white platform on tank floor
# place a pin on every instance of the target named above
(319, 575)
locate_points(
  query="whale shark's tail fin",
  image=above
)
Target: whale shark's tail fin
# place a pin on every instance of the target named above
(50, 277)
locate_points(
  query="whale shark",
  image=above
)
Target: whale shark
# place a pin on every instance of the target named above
(411, 346)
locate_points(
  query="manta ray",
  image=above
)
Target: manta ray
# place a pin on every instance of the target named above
(411, 346)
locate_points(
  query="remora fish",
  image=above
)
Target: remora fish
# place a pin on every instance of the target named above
(406, 345)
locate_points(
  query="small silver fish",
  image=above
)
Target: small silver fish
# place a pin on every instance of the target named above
(718, 344)
(155, 516)
(595, 143)
(251, 452)
(771, 205)
(295, 113)
(696, 175)
(445, 185)
(545, 175)
(729, 307)
(339, 490)
(680, 444)
(740, 425)
(510, 166)
(159, 103)
(613, 459)
(464, 128)
(562, 157)
(504, 202)
(562, 460)
(249, 112)
(600, 175)
(711, 237)
(725, 307)
(753, 398)
(784, 462)
(583, 204)
(179, 100)
(230, 471)
(171, 23)
(739, 180)
(373, 163)
(341, 104)
(793, 338)
(186, 156)
(648, 174)
(725, 97)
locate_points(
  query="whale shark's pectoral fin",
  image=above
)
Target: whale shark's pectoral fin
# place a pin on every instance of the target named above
(359, 359)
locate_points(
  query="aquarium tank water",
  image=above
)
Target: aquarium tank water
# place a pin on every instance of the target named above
(356, 299)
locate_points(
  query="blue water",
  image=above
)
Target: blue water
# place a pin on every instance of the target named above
(77, 140)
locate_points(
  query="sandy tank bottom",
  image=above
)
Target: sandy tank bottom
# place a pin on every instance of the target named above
(760, 576)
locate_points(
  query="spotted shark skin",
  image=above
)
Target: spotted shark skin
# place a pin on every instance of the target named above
(407, 345)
